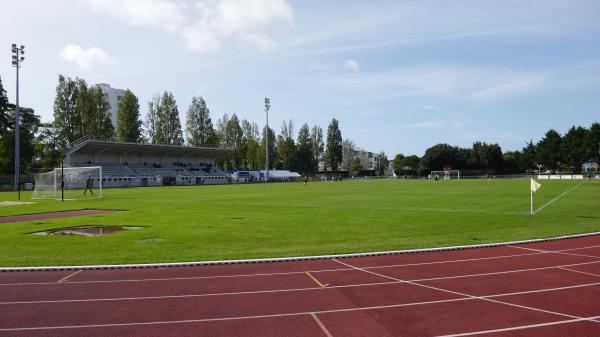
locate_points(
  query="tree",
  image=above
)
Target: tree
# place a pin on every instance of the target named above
(168, 126)
(66, 120)
(317, 146)
(128, 118)
(398, 163)
(333, 151)
(438, 156)
(28, 126)
(251, 144)
(234, 136)
(528, 158)
(151, 119)
(199, 127)
(511, 161)
(262, 150)
(548, 150)
(594, 142)
(574, 148)
(48, 152)
(304, 154)
(5, 106)
(286, 147)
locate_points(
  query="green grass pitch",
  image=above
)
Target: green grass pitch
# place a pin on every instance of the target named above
(199, 223)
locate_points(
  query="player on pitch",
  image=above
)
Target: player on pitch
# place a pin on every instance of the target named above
(89, 184)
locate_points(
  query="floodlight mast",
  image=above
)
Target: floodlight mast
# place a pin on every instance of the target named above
(267, 107)
(17, 58)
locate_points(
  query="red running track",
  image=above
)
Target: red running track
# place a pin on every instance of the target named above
(544, 289)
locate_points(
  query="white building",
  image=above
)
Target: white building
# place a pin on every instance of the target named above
(113, 96)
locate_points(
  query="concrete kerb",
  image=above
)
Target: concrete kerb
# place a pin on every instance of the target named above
(289, 259)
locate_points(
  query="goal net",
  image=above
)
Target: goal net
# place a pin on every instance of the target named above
(446, 174)
(77, 183)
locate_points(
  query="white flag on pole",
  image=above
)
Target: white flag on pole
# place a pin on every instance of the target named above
(535, 185)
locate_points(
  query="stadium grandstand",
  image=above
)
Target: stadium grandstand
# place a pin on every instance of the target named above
(138, 164)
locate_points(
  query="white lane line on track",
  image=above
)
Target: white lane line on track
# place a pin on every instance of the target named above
(294, 289)
(464, 294)
(332, 311)
(553, 251)
(523, 327)
(556, 198)
(321, 325)
(299, 272)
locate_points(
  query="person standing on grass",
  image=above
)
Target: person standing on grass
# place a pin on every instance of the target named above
(89, 184)
(436, 178)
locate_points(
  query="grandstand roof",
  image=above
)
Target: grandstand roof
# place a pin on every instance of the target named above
(96, 146)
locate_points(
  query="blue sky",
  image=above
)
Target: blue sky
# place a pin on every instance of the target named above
(399, 75)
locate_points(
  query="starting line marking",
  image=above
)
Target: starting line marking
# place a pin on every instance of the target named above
(66, 278)
(322, 285)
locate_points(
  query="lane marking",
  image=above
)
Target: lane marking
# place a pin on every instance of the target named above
(464, 294)
(303, 289)
(300, 272)
(579, 271)
(390, 306)
(322, 285)
(553, 251)
(522, 327)
(558, 197)
(278, 291)
(66, 278)
(321, 325)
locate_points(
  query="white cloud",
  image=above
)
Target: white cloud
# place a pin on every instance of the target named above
(351, 65)
(153, 13)
(508, 87)
(210, 24)
(86, 59)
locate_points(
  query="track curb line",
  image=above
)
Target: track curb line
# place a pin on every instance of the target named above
(290, 259)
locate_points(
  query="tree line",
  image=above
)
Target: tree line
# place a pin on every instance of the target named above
(82, 111)
(554, 152)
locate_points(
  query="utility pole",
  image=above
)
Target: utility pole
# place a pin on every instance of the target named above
(17, 58)
(267, 107)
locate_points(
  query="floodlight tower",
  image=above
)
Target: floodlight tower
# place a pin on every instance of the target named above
(17, 58)
(267, 107)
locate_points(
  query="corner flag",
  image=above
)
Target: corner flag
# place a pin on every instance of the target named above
(534, 187)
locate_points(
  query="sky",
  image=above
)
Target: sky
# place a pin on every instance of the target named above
(400, 76)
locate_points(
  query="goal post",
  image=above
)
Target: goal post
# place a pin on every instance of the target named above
(446, 174)
(76, 179)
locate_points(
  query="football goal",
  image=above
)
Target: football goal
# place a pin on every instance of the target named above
(79, 183)
(446, 174)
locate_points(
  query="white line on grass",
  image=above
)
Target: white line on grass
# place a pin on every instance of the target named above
(558, 197)
(332, 311)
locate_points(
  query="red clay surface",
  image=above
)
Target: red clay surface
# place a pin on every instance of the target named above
(52, 215)
(542, 289)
